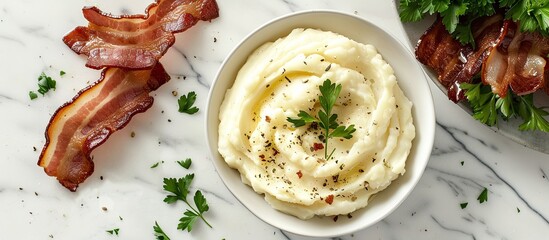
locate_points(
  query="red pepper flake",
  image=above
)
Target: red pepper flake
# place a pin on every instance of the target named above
(329, 199)
(262, 157)
(318, 146)
(275, 152)
(299, 174)
(268, 119)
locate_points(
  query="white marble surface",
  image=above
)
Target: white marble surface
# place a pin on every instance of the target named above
(125, 193)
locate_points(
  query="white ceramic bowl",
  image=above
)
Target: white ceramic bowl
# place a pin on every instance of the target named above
(410, 78)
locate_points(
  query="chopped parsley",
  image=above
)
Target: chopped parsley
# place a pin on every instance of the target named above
(483, 197)
(186, 102)
(156, 164)
(185, 163)
(32, 95)
(326, 120)
(463, 205)
(113, 231)
(45, 84)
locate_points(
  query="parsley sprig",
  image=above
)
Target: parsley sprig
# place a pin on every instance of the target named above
(329, 93)
(487, 106)
(186, 102)
(457, 16)
(180, 190)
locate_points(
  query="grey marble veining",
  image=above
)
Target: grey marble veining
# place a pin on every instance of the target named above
(125, 192)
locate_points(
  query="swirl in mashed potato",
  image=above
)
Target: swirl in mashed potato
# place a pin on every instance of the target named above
(285, 163)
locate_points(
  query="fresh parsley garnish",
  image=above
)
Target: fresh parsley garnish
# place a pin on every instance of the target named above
(45, 83)
(463, 205)
(61, 73)
(185, 163)
(457, 16)
(155, 165)
(487, 106)
(186, 103)
(159, 233)
(329, 93)
(32, 95)
(113, 231)
(180, 189)
(483, 197)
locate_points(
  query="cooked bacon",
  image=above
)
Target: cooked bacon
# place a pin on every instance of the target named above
(453, 62)
(136, 41)
(518, 61)
(505, 57)
(130, 47)
(97, 111)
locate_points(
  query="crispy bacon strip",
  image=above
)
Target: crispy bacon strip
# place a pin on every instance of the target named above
(453, 62)
(518, 61)
(97, 111)
(130, 46)
(136, 41)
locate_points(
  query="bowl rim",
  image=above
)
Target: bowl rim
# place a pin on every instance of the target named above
(427, 134)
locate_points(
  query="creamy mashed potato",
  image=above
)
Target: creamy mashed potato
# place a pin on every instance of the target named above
(278, 80)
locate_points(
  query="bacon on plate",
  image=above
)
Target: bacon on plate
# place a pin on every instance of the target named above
(504, 56)
(136, 41)
(92, 116)
(519, 61)
(453, 62)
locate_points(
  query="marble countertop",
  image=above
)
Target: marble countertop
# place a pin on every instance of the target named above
(126, 193)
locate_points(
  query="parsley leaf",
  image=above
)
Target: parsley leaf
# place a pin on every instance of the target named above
(113, 231)
(159, 233)
(329, 93)
(185, 163)
(186, 102)
(187, 221)
(483, 197)
(200, 202)
(463, 205)
(180, 189)
(450, 17)
(487, 106)
(533, 116)
(303, 119)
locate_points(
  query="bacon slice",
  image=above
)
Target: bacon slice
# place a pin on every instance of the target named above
(97, 111)
(453, 62)
(136, 41)
(518, 61)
